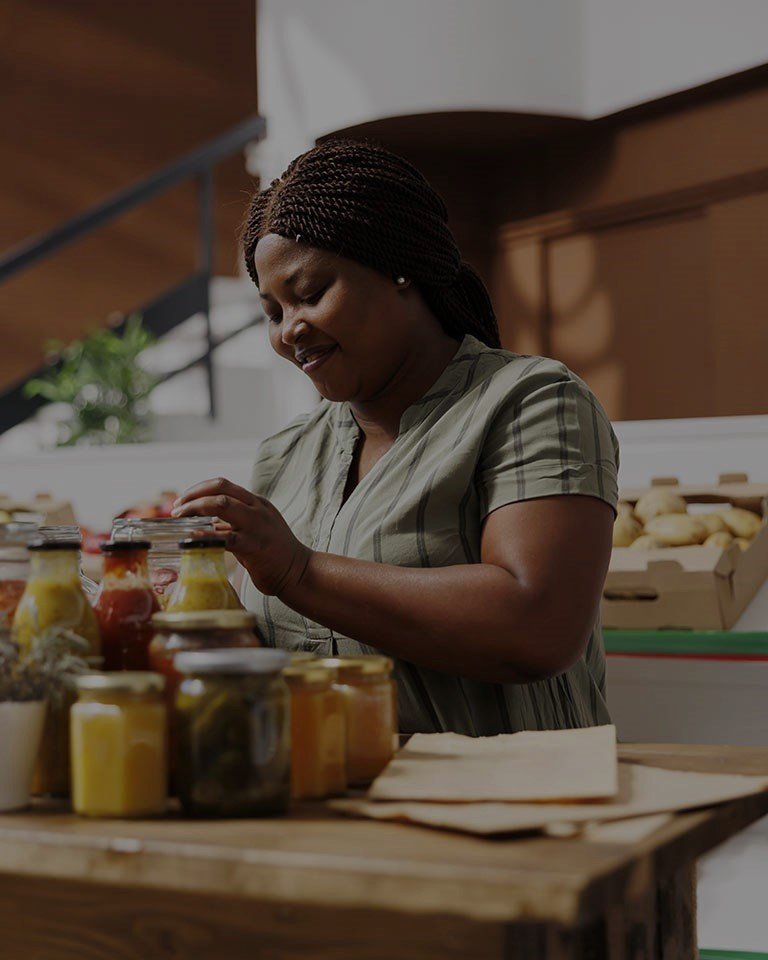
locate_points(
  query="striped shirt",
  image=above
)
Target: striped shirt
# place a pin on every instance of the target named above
(495, 428)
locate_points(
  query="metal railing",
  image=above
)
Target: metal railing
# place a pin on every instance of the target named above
(175, 305)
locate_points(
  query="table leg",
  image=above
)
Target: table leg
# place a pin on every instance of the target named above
(676, 910)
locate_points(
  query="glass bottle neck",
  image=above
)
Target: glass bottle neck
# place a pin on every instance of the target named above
(62, 565)
(207, 563)
(129, 565)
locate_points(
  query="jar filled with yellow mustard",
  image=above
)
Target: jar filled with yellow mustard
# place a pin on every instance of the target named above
(370, 709)
(203, 582)
(119, 752)
(318, 731)
(54, 602)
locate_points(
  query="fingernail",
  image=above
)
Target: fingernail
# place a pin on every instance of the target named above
(176, 511)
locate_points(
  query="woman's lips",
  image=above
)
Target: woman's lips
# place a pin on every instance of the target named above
(316, 358)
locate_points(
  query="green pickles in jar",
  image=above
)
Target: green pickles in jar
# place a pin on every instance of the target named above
(232, 733)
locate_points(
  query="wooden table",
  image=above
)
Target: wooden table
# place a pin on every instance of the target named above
(317, 885)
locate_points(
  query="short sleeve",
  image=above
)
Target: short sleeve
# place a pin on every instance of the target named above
(549, 436)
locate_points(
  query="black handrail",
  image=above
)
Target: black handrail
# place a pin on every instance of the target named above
(190, 297)
(188, 166)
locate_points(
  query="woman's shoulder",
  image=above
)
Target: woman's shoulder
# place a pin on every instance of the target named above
(517, 378)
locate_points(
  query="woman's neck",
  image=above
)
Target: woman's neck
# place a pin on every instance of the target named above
(379, 417)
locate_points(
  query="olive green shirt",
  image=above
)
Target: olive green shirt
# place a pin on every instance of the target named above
(496, 428)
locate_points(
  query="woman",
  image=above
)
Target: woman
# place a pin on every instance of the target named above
(449, 503)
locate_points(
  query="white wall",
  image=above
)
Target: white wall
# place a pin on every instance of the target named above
(328, 64)
(638, 51)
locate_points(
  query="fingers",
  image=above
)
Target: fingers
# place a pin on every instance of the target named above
(218, 486)
(232, 511)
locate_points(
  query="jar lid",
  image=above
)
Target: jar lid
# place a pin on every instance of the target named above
(363, 666)
(120, 546)
(308, 674)
(205, 620)
(129, 681)
(41, 544)
(231, 661)
(202, 543)
(17, 533)
(303, 656)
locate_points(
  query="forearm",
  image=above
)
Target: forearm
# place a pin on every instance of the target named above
(476, 620)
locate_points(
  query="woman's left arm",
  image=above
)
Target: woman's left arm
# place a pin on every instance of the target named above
(525, 612)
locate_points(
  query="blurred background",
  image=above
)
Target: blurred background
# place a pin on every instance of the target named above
(605, 165)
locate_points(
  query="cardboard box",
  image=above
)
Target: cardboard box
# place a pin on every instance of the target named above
(697, 588)
(42, 509)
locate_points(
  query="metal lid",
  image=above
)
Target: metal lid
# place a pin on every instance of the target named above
(366, 666)
(17, 533)
(205, 620)
(231, 661)
(41, 544)
(128, 681)
(303, 656)
(203, 543)
(308, 673)
(121, 546)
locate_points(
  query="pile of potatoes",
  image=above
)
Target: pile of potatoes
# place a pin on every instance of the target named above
(661, 519)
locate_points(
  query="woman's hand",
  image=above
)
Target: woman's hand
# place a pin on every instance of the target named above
(258, 536)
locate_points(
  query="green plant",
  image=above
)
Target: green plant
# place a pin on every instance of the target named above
(101, 379)
(47, 671)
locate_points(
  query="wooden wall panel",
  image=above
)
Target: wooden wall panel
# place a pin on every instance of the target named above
(95, 96)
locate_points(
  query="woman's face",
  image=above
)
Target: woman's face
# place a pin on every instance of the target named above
(346, 326)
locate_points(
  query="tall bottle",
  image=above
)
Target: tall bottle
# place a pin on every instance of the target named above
(203, 582)
(125, 605)
(54, 601)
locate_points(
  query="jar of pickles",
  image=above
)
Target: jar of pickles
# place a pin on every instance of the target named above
(164, 534)
(233, 733)
(370, 706)
(203, 582)
(199, 630)
(318, 731)
(119, 745)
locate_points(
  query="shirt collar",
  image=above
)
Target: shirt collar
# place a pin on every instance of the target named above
(450, 380)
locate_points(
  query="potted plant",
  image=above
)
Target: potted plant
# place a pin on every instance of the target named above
(27, 683)
(102, 383)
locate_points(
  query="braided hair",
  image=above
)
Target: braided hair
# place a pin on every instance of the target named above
(367, 204)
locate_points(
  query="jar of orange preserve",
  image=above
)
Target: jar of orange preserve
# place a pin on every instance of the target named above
(370, 707)
(119, 745)
(318, 741)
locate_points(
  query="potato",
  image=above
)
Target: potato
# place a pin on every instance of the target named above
(646, 542)
(741, 523)
(713, 522)
(677, 529)
(625, 530)
(658, 503)
(720, 539)
(742, 543)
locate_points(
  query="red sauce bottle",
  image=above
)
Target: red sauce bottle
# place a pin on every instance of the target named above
(125, 605)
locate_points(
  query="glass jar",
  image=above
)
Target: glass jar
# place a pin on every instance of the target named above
(318, 732)
(203, 582)
(164, 534)
(119, 746)
(14, 566)
(370, 704)
(233, 727)
(53, 600)
(14, 561)
(125, 605)
(177, 632)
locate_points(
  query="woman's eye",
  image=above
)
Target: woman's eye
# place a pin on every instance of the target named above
(315, 297)
(272, 319)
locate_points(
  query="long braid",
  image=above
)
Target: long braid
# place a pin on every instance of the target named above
(367, 204)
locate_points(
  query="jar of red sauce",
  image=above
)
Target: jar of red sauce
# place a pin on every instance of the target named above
(195, 630)
(125, 605)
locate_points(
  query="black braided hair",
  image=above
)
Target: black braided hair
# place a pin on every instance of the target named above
(364, 203)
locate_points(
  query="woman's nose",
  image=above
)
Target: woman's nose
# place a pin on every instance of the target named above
(294, 327)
